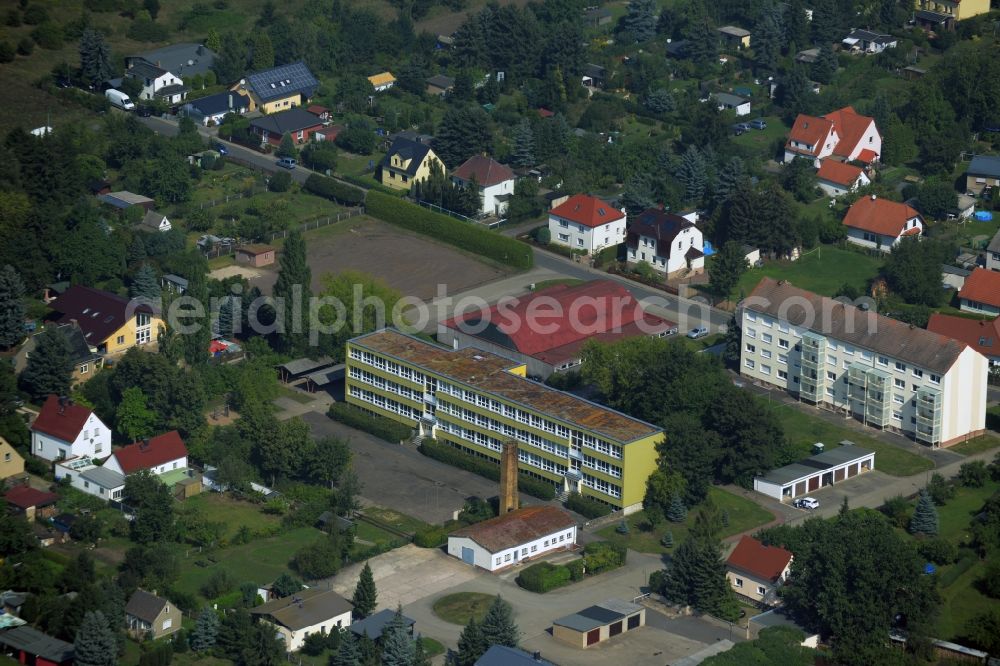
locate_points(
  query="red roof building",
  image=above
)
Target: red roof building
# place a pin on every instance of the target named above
(981, 292)
(587, 210)
(26, 497)
(62, 419)
(754, 570)
(851, 128)
(844, 133)
(810, 136)
(486, 171)
(547, 329)
(982, 335)
(160, 454)
(520, 535)
(64, 429)
(875, 222)
(839, 172)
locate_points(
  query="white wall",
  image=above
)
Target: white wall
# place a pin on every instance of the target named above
(857, 236)
(687, 238)
(489, 195)
(581, 237)
(835, 190)
(295, 639)
(89, 487)
(93, 441)
(766, 488)
(487, 560)
(981, 308)
(870, 140)
(180, 463)
(826, 148)
(964, 387)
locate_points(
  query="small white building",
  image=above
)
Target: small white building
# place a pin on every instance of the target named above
(494, 181)
(755, 571)
(670, 243)
(818, 471)
(587, 224)
(64, 429)
(838, 178)
(311, 611)
(981, 292)
(155, 222)
(880, 223)
(86, 477)
(514, 537)
(157, 83)
(728, 102)
(161, 454)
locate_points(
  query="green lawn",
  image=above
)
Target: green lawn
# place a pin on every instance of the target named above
(977, 445)
(760, 141)
(396, 519)
(743, 515)
(804, 430)
(234, 513)
(823, 271)
(459, 607)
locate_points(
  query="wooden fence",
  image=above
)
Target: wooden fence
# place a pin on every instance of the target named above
(309, 225)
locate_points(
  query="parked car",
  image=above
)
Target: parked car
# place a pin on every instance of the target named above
(698, 332)
(287, 163)
(119, 99)
(807, 503)
(740, 128)
(758, 124)
(219, 148)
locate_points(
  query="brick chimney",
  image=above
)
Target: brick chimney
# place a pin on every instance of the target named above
(508, 477)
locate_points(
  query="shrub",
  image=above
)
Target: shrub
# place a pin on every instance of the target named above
(430, 537)
(601, 556)
(576, 569)
(220, 582)
(973, 474)
(161, 654)
(464, 235)
(938, 550)
(25, 46)
(35, 15)
(320, 156)
(897, 510)
(486, 468)
(587, 507)
(7, 52)
(280, 182)
(147, 30)
(940, 489)
(48, 35)
(380, 426)
(543, 577)
(989, 582)
(328, 188)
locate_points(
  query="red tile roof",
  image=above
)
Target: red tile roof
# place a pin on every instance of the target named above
(867, 156)
(756, 559)
(25, 497)
(161, 449)
(61, 422)
(880, 216)
(850, 127)
(545, 113)
(587, 210)
(983, 336)
(838, 172)
(486, 170)
(983, 286)
(811, 131)
(517, 527)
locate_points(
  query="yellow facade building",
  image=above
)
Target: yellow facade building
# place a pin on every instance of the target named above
(277, 89)
(407, 161)
(943, 13)
(11, 462)
(111, 324)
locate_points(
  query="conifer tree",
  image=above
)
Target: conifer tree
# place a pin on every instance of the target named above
(471, 644)
(367, 650)
(213, 41)
(693, 174)
(95, 643)
(668, 539)
(639, 23)
(195, 343)
(925, 517)
(145, 284)
(206, 630)
(11, 308)
(263, 52)
(293, 285)
(825, 67)
(287, 147)
(50, 368)
(95, 58)
(498, 625)
(365, 593)
(523, 154)
(696, 576)
(676, 512)
(347, 652)
(420, 657)
(397, 646)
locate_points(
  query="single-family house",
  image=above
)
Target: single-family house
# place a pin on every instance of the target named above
(312, 611)
(439, 84)
(587, 224)
(494, 181)
(279, 88)
(729, 102)
(980, 334)
(807, 56)
(880, 223)
(838, 178)
(125, 199)
(210, 110)
(30, 502)
(407, 161)
(111, 324)
(982, 173)
(755, 571)
(161, 454)
(522, 534)
(382, 81)
(257, 256)
(86, 359)
(156, 82)
(319, 111)
(64, 429)
(11, 462)
(27, 645)
(173, 284)
(669, 243)
(843, 133)
(297, 123)
(866, 41)
(154, 222)
(373, 625)
(150, 616)
(942, 14)
(594, 76)
(735, 37)
(981, 292)
(184, 59)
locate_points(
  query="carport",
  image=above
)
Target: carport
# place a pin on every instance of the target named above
(815, 472)
(300, 367)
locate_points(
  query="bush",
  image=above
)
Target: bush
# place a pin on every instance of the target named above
(601, 556)
(576, 569)
(7, 52)
(486, 468)
(897, 510)
(940, 489)
(320, 156)
(147, 30)
(280, 182)
(48, 35)
(161, 654)
(543, 577)
(35, 15)
(26, 46)
(328, 188)
(466, 236)
(219, 583)
(431, 536)
(989, 582)
(973, 474)
(380, 426)
(587, 507)
(938, 550)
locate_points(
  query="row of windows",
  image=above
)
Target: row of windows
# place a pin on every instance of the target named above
(534, 548)
(494, 444)
(385, 403)
(386, 365)
(602, 466)
(602, 486)
(506, 429)
(384, 384)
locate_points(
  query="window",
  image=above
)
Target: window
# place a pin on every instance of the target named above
(564, 237)
(915, 387)
(898, 399)
(499, 560)
(829, 392)
(85, 368)
(832, 376)
(766, 337)
(534, 547)
(562, 537)
(900, 366)
(765, 369)
(899, 383)
(750, 348)
(579, 241)
(751, 332)
(167, 623)
(738, 582)
(782, 343)
(546, 542)
(749, 363)
(766, 353)
(917, 372)
(898, 416)
(831, 360)
(121, 339)
(782, 374)
(761, 591)
(750, 316)
(506, 558)
(524, 552)
(783, 359)
(782, 327)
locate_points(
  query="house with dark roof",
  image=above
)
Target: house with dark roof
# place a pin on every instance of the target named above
(881, 224)
(111, 324)
(981, 334)
(125, 199)
(669, 243)
(150, 616)
(30, 502)
(831, 466)
(982, 173)
(494, 181)
(595, 17)
(501, 655)
(64, 429)
(157, 82)
(184, 59)
(843, 133)
(373, 625)
(439, 84)
(868, 42)
(853, 361)
(211, 109)
(601, 310)
(154, 222)
(837, 178)
(729, 102)
(311, 611)
(734, 37)
(86, 359)
(981, 292)
(297, 123)
(26, 645)
(279, 88)
(161, 454)
(407, 161)
(755, 571)
(518, 536)
(594, 76)
(586, 224)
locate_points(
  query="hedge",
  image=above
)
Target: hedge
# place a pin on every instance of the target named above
(431, 536)
(601, 556)
(328, 188)
(380, 426)
(464, 235)
(587, 507)
(543, 577)
(452, 456)
(370, 184)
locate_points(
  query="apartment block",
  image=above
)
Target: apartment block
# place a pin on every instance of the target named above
(881, 371)
(475, 401)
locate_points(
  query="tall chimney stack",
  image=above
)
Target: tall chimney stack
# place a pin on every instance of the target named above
(508, 477)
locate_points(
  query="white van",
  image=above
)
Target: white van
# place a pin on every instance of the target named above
(119, 99)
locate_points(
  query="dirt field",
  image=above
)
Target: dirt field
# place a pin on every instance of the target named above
(444, 22)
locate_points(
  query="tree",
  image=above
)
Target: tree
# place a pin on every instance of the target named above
(262, 52)
(95, 58)
(983, 630)
(464, 132)
(133, 418)
(925, 518)
(498, 624)
(732, 174)
(523, 153)
(49, 370)
(153, 7)
(726, 268)
(774, 646)
(734, 336)
(145, 284)
(911, 270)
(693, 174)
(638, 193)
(471, 644)
(639, 23)
(262, 647)
(206, 630)
(767, 40)
(365, 594)
(328, 460)
(799, 178)
(153, 508)
(940, 489)
(677, 512)
(936, 198)
(973, 474)
(347, 652)
(292, 291)
(825, 67)
(795, 93)
(283, 454)
(397, 646)
(212, 41)
(11, 307)
(287, 147)
(285, 585)
(15, 535)
(95, 643)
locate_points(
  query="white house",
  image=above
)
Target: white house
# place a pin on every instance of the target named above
(161, 454)
(667, 242)
(844, 133)
(838, 178)
(981, 292)
(867, 41)
(726, 101)
(157, 83)
(87, 477)
(587, 224)
(155, 222)
(64, 429)
(310, 611)
(755, 571)
(880, 224)
(495, 182)
(523, 534)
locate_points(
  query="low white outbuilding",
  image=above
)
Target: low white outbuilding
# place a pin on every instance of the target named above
(514, 537)
(824, 469)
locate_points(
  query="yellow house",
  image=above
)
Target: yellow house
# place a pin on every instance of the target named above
(406, 162)
(735, 37)
(110, 323)
(278, 88)
(383, 81)
(934, 13)
(11, 462)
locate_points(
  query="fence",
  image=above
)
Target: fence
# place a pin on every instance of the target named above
(231, 197)
(230, 248)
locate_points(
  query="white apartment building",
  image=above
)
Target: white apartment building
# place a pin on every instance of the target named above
(883, 372)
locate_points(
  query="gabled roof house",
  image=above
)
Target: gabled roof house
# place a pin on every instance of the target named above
(278, 88)
(494, 181)
(981, 292)
(836, 178)
(64, 429)
(878, 223)
(110, 323)
(516, 536)
(407, 161)
(149, 615)
(980, 334)
(587, 224)
(669, 243)
(755, 571)
(161, 454)
(844, 134)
